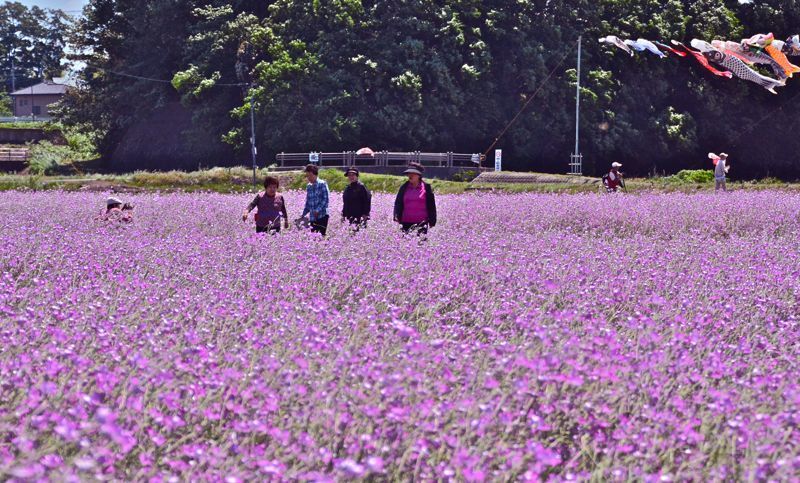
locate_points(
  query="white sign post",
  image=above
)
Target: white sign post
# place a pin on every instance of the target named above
(498, 159)
(313, 158)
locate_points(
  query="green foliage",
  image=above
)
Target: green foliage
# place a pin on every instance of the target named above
(695, 176)
(437, 76)
(215, 179)
(146, 39)
(240, 179)
(24, 125)
(467, 175)
(35, 38)
(46, 157)
(5, 104)
(383, 183)
(81, 143)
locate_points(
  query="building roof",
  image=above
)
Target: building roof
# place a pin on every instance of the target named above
(47, 88)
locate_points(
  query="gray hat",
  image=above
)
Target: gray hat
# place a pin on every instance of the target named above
(113, 200)
(414, 168)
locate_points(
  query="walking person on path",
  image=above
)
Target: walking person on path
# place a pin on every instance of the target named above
(720, 172)
(317, 196)
(271, 208)
(357, 201)
(415, 205)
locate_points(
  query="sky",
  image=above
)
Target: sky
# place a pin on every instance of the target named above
(75, 5)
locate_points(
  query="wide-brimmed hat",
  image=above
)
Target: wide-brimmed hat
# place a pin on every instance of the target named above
(112, 200)
(414, 168)
(616, 165)
(351, 170)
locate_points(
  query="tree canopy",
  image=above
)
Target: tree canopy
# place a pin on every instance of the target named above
(442, 75)
(33, 40)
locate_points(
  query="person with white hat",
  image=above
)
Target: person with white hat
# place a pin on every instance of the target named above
(116, 210)
(613, 180)
(720, 171)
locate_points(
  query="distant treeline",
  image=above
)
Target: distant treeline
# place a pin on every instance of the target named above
(443, 75)
(32, 42)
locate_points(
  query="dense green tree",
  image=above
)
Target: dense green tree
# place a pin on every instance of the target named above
(131, 50)
(443, 75)
(33, 40)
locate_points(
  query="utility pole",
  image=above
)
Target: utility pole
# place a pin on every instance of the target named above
(13, 74)
(578, 100)
(253, 133)
(576, 160)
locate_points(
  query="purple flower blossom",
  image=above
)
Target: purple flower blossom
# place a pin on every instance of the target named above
(651, 337)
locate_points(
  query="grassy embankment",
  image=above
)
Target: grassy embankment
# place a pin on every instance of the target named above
(239, 180)
(223, 180)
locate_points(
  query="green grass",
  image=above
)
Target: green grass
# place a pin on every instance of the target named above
(535, 187)
(240, 180)
(28, 125)
(337, 181)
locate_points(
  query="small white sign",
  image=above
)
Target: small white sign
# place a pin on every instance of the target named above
(476, 159)
(498, 159)
(313, 158)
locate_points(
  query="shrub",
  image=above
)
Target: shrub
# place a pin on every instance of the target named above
(692, 176)
(467, 175)
(45, 157)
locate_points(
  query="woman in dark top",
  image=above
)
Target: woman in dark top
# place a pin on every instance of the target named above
(271, 208)
(357, 201)
(415, 205)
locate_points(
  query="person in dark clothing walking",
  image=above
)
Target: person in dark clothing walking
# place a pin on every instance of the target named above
(271, 208)
(357, 201)
(415, 205)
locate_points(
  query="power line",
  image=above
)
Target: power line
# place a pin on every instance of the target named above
(752, 126)
(253, 150)
(151, 79)
(524, 106)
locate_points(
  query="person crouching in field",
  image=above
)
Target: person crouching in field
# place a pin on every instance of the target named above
(271, 208)
(117, 211)
(317, 196)
(613, 180)
(415, 205)
(356, 201)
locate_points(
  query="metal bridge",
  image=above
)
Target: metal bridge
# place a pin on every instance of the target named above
(380, 159)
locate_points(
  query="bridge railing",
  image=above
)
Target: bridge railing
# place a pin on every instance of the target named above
(13, 159)
(346, 159)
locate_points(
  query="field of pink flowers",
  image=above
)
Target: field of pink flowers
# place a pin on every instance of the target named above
(563, 337)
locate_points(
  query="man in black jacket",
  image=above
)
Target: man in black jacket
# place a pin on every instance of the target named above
(357, 201)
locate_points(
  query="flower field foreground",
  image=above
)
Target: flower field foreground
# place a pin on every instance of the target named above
(649, 337)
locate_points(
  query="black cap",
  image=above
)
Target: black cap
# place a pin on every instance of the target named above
(351, 170)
